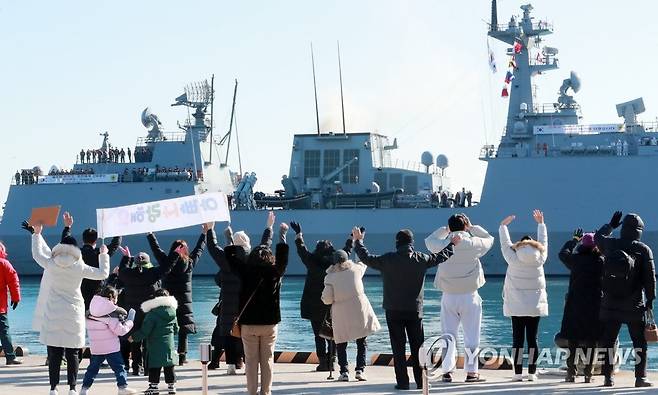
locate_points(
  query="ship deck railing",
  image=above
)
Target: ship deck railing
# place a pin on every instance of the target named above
(536, 26)
(166, 137)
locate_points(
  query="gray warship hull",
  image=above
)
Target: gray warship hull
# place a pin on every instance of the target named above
(573, 192)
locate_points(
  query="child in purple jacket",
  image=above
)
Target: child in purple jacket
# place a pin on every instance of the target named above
(105, 323)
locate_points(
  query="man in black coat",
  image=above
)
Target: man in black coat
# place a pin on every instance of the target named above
(403, 274)
(178, 282)
(625, 304)
(311, 306)
(90, 253)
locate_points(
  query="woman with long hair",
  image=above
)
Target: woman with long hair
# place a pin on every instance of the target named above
(524, 293)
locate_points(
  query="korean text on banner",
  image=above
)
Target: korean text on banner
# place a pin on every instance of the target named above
(162, 215)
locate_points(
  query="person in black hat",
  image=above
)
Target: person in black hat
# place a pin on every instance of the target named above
(629, 288)
(90, 255)
(403, 274)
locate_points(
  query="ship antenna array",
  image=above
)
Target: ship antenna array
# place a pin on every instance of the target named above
(315, 91)
(340, 76)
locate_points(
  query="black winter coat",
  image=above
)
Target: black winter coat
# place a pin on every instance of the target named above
(643, 279)
(229, 283)
(403, 274)
(178, 280)
(264, 307)
(89, 288)
(138, 286)
(311, 306)
(580, 321)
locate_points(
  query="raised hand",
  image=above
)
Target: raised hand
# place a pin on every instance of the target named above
(615, 221)
(207, 226)
(283, 228)
(14, 305)
(37, 229)
(115, 270)
(68, 219)
(507, 220)
(538, 216)
(26, 225)
(357, 234)
(103, 249)
(578, 234)
(271, 218)
(296, 226)
(456, 240)
(125, 251)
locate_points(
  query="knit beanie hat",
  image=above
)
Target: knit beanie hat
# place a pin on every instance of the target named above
(405, 236)
(339, 257)
(70, 240)
(142, 259)
(241, 239)
(587, 240)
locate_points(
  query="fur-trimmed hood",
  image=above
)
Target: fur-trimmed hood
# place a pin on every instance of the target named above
(65, 255)
(339, 267)
(166, 301)
(528, 243)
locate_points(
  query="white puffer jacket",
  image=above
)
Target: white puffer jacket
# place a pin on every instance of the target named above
(524, 292)
(60, 312)
(351, 313)
(462, 273)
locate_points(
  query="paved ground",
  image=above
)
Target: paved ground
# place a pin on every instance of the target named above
(32, 377)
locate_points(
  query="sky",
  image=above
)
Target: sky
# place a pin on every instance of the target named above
(412, 69)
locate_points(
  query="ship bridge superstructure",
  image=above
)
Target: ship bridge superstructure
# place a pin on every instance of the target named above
(553, 130)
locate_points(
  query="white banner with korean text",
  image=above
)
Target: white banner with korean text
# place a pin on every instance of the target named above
(162, 215)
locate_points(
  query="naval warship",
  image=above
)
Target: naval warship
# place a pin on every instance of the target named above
(577, 174)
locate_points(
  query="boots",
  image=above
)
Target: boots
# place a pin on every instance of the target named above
(324, 364)
(214, 359)
(641, 382)
(182, 360)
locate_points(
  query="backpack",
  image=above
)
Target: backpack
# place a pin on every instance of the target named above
(618, 273)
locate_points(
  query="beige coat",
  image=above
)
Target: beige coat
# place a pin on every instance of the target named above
(351, 313)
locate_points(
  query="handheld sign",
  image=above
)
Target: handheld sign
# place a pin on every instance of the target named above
(162, 215)
(46, 216)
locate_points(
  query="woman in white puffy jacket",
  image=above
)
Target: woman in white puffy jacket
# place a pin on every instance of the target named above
(60, 311)
(524, 292)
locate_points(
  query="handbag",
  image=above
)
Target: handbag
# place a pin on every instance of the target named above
(327, 329)
(650, 330)
(236, 330)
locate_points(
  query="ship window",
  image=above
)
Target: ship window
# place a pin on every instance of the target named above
(411, 185)
(311, 163)
(395, 180)
(331, 163)
(351, 173)
(380, 179)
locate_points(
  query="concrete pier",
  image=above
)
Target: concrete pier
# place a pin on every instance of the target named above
(32, 377)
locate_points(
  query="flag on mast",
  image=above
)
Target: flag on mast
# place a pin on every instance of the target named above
(492, 59)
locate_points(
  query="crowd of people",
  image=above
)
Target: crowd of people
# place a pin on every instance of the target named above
(139, 317)
(445, 199)
(115, 155)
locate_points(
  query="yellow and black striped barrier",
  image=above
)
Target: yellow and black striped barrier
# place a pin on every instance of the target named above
(485, 362)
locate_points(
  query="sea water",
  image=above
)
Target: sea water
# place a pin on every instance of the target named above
(295, 334)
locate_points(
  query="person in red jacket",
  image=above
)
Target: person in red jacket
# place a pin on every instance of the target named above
(8, 279)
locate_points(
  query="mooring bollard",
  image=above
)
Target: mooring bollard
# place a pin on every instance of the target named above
(205, 352)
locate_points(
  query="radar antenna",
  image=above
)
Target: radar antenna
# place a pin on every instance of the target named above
(573, 83)
(152, 123)
(196, 95)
